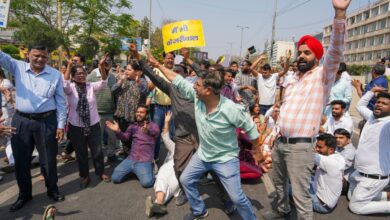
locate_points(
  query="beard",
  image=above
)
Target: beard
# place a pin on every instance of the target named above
(304, 66)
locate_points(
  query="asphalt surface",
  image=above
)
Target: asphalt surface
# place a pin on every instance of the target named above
(127, 200)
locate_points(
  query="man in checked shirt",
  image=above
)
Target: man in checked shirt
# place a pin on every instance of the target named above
(305, 97)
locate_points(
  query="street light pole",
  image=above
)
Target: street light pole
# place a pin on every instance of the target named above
(150, 23)
(242, 33)
(59, 27)
(273, 33)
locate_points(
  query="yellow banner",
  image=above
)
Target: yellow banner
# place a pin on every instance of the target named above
(181, 34)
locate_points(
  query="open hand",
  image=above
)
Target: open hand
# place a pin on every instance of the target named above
(341, 4)
(113, 126)
(168, 117)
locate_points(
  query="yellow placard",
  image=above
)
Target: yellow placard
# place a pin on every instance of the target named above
(181, 34)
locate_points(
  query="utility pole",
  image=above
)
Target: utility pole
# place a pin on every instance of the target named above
(242, 33)
(59, 26)
(150, 23)
(231, 47)
(273, 32)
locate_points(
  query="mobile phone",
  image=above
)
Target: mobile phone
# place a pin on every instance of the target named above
(252, 50)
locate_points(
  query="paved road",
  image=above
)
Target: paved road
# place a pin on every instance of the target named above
(126, 201)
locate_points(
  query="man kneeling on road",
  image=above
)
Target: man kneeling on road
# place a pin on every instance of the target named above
(325, 190)
(372, 162)
(144, 135)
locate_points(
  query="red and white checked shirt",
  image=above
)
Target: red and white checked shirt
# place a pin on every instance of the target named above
(306, 96)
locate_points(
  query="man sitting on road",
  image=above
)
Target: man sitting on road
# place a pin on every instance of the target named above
(143, 134)
(325, 190)
(372, 162)
(348, 151)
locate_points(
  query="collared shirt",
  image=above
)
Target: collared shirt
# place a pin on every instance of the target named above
(217, 130)
(373, 152)
(341, 90)
(305, 97)
(142, 147)
(348, 152)
(328, 178)
(344, 122)
(227, 91)
(159, 96)
(379, 81)
(72, 97)
(36, 93)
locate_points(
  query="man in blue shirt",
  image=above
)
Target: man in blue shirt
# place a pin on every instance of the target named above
(378, 79)
(39, 120)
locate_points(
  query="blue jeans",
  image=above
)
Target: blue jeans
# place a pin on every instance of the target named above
(143, 170)
(317, 206)
(264, 109)
(229, 175)
(158, 118)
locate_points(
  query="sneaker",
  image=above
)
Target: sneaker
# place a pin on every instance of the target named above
(152, 208)
(269, 215)
(181, 199)
(8, 169)
(229, 207)
(191, 216)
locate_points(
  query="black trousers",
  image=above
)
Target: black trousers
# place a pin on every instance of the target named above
(123, 125)
(42, 135)
(81, 144)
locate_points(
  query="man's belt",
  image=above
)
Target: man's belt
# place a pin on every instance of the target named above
(162, 106)
(295, 140)
(36, 116)
(372, 176)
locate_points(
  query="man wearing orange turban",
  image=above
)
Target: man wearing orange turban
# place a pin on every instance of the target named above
(306, 94)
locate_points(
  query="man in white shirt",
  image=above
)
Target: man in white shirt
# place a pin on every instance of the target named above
(325, 190)
(266, 84)
(372, 162)
(344, 74)
(346, 149)
(338, 119)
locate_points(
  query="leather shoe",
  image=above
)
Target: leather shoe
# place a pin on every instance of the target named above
(85, 182)
(56, 196)
(19, 204)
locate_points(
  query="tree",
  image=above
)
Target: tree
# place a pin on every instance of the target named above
(89, 47)
(112, 46)
(12, 50)
(143, 30)
(37, 32)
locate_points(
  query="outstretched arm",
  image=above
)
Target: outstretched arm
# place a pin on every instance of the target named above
(169, 74)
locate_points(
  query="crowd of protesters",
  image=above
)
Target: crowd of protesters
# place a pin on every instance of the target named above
(218, 124)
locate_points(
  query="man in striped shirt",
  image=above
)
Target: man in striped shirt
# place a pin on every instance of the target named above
(305, 97)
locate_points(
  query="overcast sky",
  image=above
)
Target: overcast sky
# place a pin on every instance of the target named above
(220, 18)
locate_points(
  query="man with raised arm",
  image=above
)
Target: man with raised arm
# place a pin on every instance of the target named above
(299, 121)
(216, 120)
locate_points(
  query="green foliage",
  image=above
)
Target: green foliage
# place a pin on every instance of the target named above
(358, 70)
(37, 32)
(89, 47)
(112, 46)
(12, 50)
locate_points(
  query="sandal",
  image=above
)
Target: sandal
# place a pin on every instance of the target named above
(50, 212)
(105, 178)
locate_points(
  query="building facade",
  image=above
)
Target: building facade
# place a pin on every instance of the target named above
(368, 34)
(279, 50)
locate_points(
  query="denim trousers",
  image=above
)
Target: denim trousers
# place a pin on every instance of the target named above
(158, 118)
(143, 171)
(229, 175)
